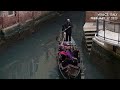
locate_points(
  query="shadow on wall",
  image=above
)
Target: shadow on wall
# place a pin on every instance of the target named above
(105, 61)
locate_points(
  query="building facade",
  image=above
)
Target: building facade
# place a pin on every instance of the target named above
(12, 22)
(9, 18)
(112, 15)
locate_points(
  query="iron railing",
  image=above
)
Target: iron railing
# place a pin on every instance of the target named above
(105, 26)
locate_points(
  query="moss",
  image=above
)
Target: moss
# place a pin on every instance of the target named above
(107, 62)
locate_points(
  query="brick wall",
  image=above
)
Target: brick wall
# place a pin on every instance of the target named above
(40, 13)
(24, 16)
(0, 22)
(20, 17)
(36, 14)
(90, 14)
(9, 20)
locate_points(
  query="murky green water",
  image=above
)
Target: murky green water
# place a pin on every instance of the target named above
(35, 56)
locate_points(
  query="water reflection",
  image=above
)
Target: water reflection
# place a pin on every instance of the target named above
(35, 57)
(43, 66)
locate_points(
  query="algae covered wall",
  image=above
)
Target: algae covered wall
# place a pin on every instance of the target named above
(107, 62)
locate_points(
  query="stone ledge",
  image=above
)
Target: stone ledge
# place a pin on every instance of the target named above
(89, 27)
(102, 43)
(11, 30)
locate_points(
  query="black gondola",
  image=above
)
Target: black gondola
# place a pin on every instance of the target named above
(70, 70)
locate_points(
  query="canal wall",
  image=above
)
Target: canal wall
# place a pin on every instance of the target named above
(102, 55)
(24, 28)
(107, 62)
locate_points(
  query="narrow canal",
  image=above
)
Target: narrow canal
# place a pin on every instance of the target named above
(35, 56)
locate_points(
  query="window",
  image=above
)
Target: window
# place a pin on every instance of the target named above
(0, 13)
(10, 13)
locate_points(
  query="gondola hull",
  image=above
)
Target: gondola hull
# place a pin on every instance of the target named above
(70, 72)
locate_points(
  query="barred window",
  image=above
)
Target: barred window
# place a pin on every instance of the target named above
(10, 12)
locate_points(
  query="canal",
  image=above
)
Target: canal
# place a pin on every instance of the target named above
(35, 57)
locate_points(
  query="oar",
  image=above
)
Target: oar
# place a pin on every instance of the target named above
(66, 28)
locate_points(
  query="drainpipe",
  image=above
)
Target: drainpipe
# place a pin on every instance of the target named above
(2, 20)
(17, 16)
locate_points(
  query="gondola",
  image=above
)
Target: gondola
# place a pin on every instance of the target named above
(69, 70)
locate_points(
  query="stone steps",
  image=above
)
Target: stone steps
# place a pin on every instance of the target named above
(88, 37)
(89, 32)
(89, 41)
